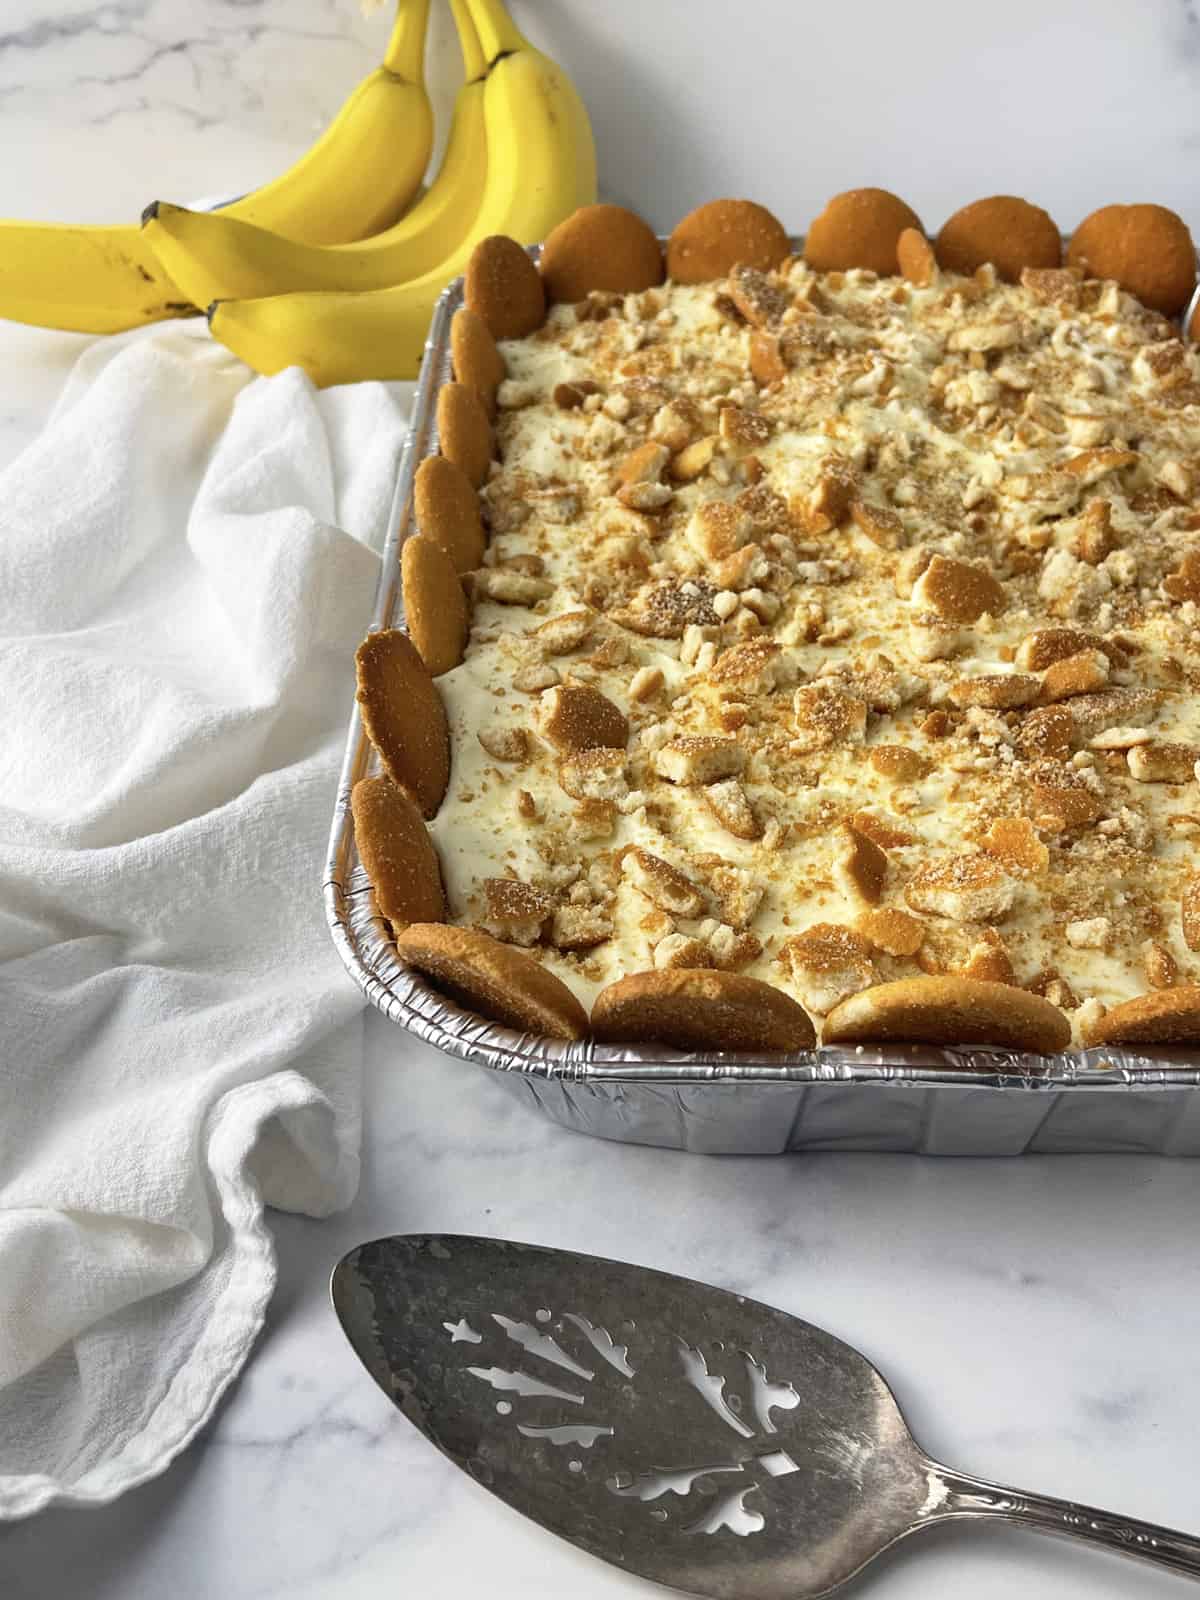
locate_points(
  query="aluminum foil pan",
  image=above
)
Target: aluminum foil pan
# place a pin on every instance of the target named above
(1192, 312)
(925, 1100)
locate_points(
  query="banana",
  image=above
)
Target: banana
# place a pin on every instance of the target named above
(356, 179)
(212, 255)
(541, 165)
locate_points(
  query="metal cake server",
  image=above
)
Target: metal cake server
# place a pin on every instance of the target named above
(680, 1432)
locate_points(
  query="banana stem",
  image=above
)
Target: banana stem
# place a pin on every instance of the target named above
(474, 60)
(405, 53)
(498, 33)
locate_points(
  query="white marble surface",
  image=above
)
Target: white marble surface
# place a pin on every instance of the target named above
(1038, 1319)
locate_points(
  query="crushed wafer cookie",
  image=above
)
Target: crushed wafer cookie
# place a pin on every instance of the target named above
(825, 716)
(1183, 583)
(882, 832)
(998, 691)
(575, 717)
(988, 960)
(1084, 673)
(915, 258)
(767, 365)
(508, 588)
(826, 963)
(1059, 807)
(888, 588)
(1016, 846)
(505, 743)
(565, 633)
(957, 591)
(760, 299)
(662, 883)
(1163, 762)
(699, 759)
(835, 492)
(597, 773)
(860, 866)
(579, 927)
(900, 764)
(894, 932)
(729, 804)
(678, 950)
(1189, 912)
(968, 888)
(515, 911)
(1162, 969)
(881, 524)
(1046, 647)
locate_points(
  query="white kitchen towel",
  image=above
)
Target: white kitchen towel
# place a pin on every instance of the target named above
(187, 560)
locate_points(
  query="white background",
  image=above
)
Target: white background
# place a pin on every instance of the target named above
(1073, 104)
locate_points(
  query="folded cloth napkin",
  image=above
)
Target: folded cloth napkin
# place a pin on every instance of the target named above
(187, 560)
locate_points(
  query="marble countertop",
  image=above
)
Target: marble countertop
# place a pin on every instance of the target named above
(1037, 1319)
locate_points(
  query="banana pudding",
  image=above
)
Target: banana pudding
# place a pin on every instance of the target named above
(840, 632)
(906, 638)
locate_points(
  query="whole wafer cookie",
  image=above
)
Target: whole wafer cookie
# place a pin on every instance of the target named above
(1168, 1016)
(950, 1011)
(600, 247)
(464, 432)
(716, 237)
(483, 975)
(447, 511)
(1148, 250)
(397, 852)
(696, 1009)
(405, 719)
(505, 288)
(1005, 230)
(435, 607)
(475, 358)
(860, 228)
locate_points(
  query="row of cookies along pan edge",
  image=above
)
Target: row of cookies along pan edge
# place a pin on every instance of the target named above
(691, 1010)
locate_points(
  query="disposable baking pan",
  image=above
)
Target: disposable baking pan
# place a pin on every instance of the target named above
(915, 1098)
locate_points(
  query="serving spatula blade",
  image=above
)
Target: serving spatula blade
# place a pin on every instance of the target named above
(681, 1432)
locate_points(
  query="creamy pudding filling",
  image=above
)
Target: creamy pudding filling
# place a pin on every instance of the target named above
(898, 593)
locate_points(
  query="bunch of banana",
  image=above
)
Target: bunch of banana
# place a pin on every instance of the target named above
(214, 255)
(520, 158)
(357, 179)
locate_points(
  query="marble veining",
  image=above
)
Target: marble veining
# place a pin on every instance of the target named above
(1037, 1318)
(1033, 1318)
